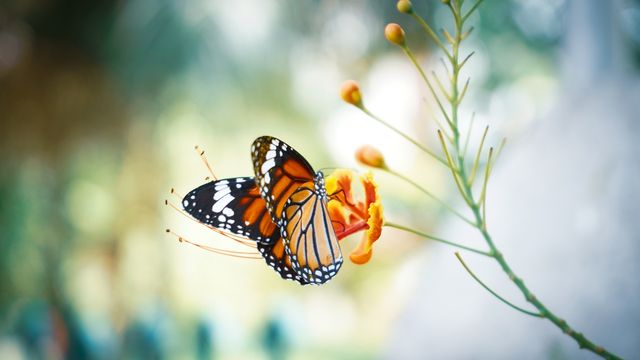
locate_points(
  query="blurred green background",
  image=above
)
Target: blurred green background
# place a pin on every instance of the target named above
(101, 104)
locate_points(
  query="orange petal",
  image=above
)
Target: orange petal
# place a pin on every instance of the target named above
(362, 253)
(339, 185)
(370, 188)
(359, 255)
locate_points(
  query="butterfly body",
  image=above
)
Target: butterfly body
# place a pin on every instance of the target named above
(283, 209)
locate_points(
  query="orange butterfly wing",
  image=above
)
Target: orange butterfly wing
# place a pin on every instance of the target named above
(297, 200)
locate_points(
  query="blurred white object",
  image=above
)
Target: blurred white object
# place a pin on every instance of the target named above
(564, 208)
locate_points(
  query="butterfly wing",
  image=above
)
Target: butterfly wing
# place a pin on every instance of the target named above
(279, 259)
(309, 237)
(280, 171)
(244, 213)
(233, 205)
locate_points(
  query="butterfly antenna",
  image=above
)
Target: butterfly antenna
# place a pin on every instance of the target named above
(226, 252)
(235, 238)
(200, 152)
(339, 168)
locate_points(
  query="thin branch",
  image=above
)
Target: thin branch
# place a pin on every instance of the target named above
(483, 195)
(471, 10)
(431, 195)
(500, 147)
(447, 36)
(466, 141)
(434, 238)
(467, 33)
(477, 159)
(442, 89)
(432, 34)
(446, 69)
(465, 60)
(426, 80)
(464, 91)
(420, 146)
(534, 314)
(454, 171)
(454, 11)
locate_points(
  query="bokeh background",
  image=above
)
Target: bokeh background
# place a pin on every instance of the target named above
(102, 102)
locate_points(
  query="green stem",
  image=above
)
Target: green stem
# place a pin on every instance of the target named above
(414, 142)
(431, 195)
(469, 130)
(476, 162)
(410, 55)
(464, 186)
(432, 34)
(470, 11)
(493, 292)
(434, 238)
(583, 341)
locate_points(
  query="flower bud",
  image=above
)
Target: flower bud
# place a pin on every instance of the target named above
(394, 33)
(350, 93)
(404, 6)
(370, 156)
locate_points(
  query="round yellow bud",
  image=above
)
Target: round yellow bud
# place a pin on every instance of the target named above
(350, 93)
(370, 156)
(394, 33)
(404, 6)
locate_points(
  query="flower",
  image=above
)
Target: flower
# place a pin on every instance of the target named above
(370, 156)
(350, 93)
(349, 216)
(394, 33)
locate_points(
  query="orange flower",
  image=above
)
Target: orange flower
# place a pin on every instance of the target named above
(349, 216)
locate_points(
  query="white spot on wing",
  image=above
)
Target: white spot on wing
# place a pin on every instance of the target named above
(267, 165)
(227, 211)
(222, 203)
(219, 195)
(270, 154)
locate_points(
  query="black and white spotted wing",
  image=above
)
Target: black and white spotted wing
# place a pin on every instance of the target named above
(235, 206)
(225, 204)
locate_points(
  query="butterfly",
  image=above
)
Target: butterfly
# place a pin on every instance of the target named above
(283, 209)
